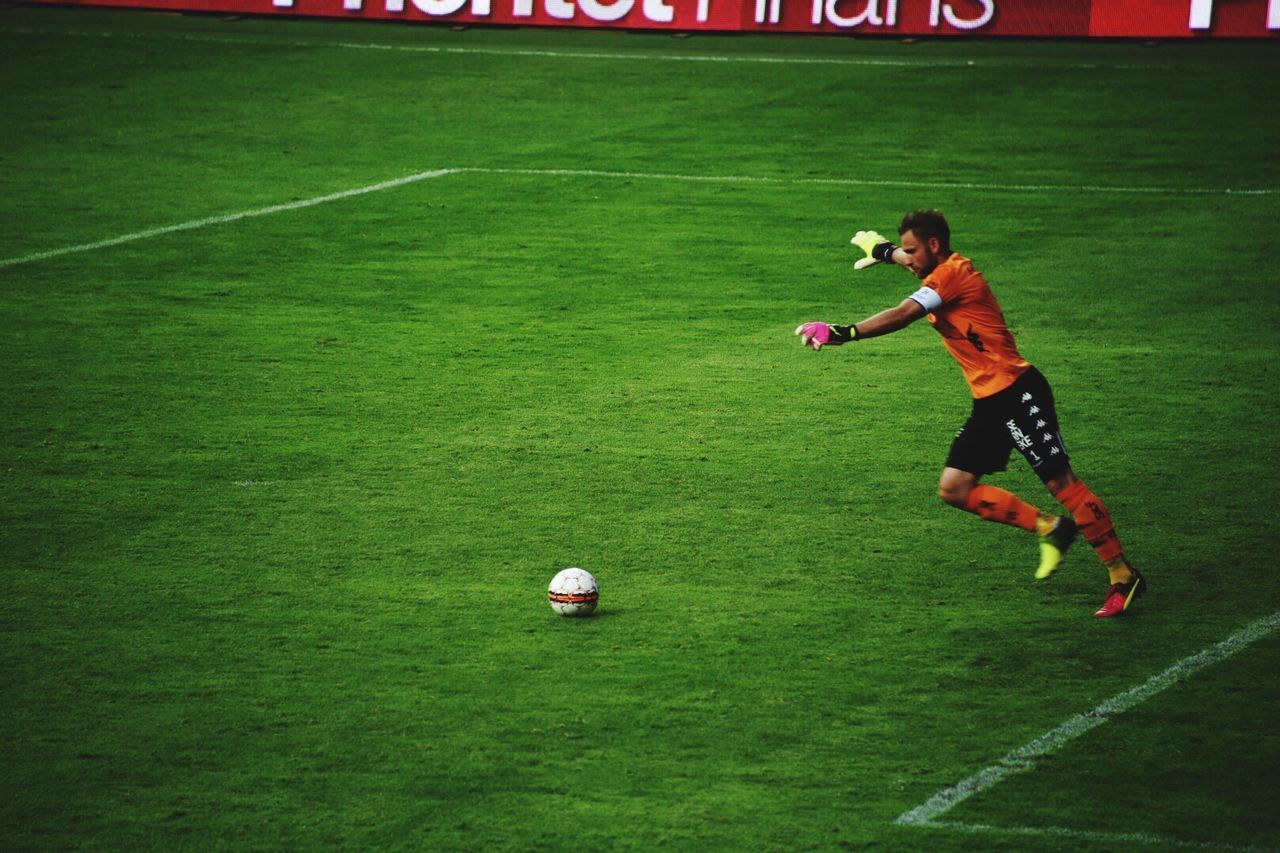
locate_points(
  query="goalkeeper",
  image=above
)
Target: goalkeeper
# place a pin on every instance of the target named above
(1012, 402)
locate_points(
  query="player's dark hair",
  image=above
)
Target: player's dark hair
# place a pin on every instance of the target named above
(926, 224)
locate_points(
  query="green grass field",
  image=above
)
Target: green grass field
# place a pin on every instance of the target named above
(280, 495)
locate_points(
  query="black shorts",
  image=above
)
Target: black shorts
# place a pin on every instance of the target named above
(1021, 416)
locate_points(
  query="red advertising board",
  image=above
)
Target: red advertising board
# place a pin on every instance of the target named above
(1057, 18)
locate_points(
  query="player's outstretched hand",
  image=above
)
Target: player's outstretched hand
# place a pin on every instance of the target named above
(867, 242)
(814, 334)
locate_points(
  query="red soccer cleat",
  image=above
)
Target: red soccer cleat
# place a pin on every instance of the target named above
(1121, 595)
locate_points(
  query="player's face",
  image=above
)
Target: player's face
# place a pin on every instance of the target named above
(924, 255)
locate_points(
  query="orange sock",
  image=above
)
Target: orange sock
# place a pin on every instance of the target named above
(995, 504)
(1094, 521)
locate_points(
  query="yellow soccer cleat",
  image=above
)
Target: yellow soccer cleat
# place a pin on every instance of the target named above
(1054, 545)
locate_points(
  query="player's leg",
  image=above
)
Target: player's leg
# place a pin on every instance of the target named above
(961, 489)
(1094, 521)
(1034, 425)
(982, 446)
(1027, 418)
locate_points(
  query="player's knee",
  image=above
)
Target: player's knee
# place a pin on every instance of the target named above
(955, 494)
(1059, 482)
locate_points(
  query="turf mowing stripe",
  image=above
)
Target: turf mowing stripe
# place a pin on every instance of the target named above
(230, 217)
(1023, 758)
(627, 56)
(866, 182)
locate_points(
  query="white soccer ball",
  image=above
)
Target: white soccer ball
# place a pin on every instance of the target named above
(573, 592)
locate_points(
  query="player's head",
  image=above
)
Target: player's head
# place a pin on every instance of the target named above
(926, 237)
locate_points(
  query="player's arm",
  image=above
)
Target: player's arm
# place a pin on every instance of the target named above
(818, 335)
(890, 320)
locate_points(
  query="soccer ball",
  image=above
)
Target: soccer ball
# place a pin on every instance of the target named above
(573, 592)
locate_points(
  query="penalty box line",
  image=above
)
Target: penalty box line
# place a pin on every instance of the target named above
(623, 175)
(230, 217)
(869, 182)
(1024, 758)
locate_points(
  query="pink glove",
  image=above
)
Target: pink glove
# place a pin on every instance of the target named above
(814, 334)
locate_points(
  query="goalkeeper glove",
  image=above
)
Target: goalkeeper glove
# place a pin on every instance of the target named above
(818, 335)
(876, 247)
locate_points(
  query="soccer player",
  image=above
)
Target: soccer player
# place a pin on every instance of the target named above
(1012, 402)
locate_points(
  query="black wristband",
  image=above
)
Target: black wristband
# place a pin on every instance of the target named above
(843, 334)
(883, 251)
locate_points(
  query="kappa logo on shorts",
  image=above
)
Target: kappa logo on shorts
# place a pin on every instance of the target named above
(1026, 397)
(1040, 424)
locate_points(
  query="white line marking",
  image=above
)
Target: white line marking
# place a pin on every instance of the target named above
(866, 182)
(1024, 757)
(1114, 840)
(620, 55)
(230, 217)
(749, 58)
(597, 173)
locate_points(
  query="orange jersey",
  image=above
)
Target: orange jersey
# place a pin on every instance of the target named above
(966, 314)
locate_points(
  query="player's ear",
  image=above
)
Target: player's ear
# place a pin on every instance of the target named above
(935, 246)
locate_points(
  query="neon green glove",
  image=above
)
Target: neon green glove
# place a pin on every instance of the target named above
(876, 248)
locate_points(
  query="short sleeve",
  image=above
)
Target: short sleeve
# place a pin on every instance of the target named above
(944, 281)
